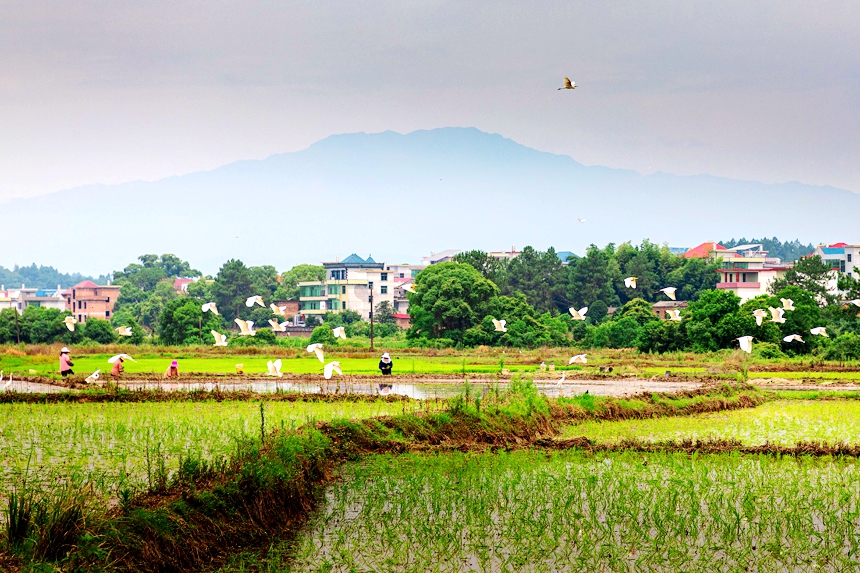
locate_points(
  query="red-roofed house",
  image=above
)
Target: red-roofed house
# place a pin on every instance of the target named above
(181, 285)
(403, 320)
(89, 300)
(703, 251)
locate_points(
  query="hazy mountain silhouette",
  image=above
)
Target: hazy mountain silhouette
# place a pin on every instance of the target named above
(398, 197)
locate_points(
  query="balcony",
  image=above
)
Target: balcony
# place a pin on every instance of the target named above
(739, 285)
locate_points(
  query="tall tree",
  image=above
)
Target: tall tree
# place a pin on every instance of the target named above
(593, 277)
(232, 286)
(300, 273)
(537, 275)
(814, 276)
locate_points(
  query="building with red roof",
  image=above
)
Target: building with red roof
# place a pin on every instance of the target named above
(704, 251)
(89, 300)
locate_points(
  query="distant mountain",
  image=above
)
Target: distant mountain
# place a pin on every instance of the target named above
(398, 197)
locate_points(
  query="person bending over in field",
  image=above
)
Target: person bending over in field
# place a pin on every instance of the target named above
(386, 364)
(65, 362)
(172, 370)
(117, 369)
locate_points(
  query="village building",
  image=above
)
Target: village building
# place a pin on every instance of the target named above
(89, 300)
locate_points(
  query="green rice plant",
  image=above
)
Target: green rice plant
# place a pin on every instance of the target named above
(18, 517)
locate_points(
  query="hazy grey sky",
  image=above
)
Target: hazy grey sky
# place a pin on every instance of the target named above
(117, 91)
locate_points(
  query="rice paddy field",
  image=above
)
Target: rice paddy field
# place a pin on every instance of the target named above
(122, 445)
(573, 511)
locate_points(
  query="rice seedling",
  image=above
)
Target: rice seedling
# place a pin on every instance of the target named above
(571, 511)
(114, 446)
(783, 422)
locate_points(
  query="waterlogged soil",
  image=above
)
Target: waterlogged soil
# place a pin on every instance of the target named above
(781, 422)
(579, 511)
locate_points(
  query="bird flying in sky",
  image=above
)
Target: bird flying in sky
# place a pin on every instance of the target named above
(246, 327)
(569, 85)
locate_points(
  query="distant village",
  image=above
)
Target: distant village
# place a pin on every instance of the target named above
(359, 284)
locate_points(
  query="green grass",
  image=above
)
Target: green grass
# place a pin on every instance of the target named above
(570, 511)
(784, 422)
(106, 444)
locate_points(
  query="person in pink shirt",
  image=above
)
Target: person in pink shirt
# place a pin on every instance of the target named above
(65, 362)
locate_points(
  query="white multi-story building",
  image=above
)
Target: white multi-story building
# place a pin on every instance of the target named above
(842, 257)
(348, 285)
(747, 271)
(21, 298)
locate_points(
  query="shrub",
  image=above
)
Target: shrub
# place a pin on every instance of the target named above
(845, 347)
(768, 350)
(322, 334)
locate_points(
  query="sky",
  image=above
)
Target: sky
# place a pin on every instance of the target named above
(108, 92)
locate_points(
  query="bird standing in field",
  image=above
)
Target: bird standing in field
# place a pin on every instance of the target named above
(569, 85)
(500, 325)
(578, 314)
(339, 332)
(317, 349)
(209, 307)
(787, 304)
(674, 315)
(252, 300)
(220, 339)
(274, 368)
(8, 382)
(578, 358)
(819, 331)
(333, 366)
(759, 315)
(123, 330)
(246, 327)
(669, 291)
(792, 338)
(70, 323)
(630, 282)
(776, 315)
(560, 380)
(746, 343)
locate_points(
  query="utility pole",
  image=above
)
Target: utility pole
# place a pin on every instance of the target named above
(18, 328)
(370, 287)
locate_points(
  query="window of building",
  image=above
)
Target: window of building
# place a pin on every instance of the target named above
(107, 314)
(80, 305)
(383, 276)
(842, 266)
(401, 275)
(383, 290)
(343, 289)
(849, 257)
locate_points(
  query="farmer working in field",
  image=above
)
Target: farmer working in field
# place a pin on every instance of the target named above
(65, 362)
(385, 365)
(117, 367)
(172, 370)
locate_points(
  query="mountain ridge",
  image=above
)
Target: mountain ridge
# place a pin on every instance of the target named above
(406, 195)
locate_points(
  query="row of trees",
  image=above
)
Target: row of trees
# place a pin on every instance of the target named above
(41, 277)
(553, 287)
(39, 325)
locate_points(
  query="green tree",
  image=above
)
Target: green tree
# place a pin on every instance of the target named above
(538, 275)
(715, 321)
(99, 330)
(232, 287)
(639, 310)
(322, 334)
(491, 268)
(183, 322)
(384, 313)
(811, 274)
(593, 277)
(450, 299)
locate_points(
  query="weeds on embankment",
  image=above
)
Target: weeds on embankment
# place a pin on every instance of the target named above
(206, 510)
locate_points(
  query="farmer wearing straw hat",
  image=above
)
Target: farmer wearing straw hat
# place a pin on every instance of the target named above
(65, 362)
(172, 370)
(386, 364)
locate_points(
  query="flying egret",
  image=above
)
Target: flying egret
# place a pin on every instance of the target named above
(560, 380)
(759, 315)
(123, 330)
(274, 368)
(255, 299)
(669, 291)
(792, 338)
(630, 282)
(674, 314)
(500, 325)
(339, 332)
(580, 220)
(91, 379)
(776, 314)
(246, 327)
(333, 366)
(70, 323)
(220, 339)
(113, 359)
(855, 302)
(278, 326)
(578, 358)
(317, 349)
(279, 310)
(787, 303)
(410, 287)
(568, 85)
(820, 331)
(578, 314)
(209, 307)
(746, 343)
